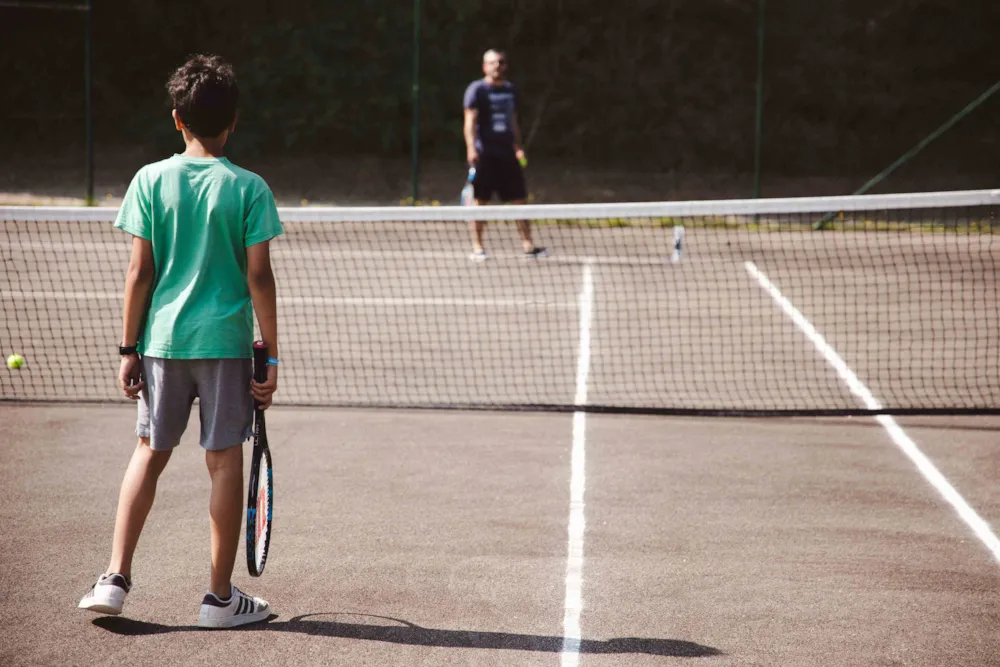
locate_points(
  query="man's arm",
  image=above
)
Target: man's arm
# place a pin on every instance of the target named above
(260, 279)
(138, 283)
(516, 126)
(469, 130)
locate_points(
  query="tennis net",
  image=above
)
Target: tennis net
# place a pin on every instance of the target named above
(811, 306)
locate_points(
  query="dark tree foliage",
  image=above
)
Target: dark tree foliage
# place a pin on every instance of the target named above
(659, 84)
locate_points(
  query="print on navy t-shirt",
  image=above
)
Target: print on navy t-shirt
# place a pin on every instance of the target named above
(495, 106)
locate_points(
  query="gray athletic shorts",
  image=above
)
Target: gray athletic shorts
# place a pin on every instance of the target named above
(222, 387)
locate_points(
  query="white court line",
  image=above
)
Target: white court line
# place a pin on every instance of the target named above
(62, 296)
(554, 258)
(282, 250)
(321, 301)
(573, 603)
(119, 247)
(425, 301)
(981, 529)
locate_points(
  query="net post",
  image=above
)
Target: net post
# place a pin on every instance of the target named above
(759, 116)
(88, 103)
(415, 129)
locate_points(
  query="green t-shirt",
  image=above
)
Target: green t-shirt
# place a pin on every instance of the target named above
(201, 215)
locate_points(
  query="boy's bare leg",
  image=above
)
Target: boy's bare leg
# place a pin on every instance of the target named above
(225, 467)
(134, 503)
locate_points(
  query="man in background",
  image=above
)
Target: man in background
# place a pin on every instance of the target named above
(493, 147)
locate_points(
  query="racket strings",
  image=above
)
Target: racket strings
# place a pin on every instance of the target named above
(263, 513)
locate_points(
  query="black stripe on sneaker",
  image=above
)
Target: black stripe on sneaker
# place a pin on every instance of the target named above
(117, 580)
(213, 601)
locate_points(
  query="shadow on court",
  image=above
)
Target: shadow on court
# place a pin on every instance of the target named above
(414, 635)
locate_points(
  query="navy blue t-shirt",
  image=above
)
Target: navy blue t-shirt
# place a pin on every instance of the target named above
(495, 118)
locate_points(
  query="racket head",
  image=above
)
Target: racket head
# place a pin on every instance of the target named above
(261, 486)
(260, 500)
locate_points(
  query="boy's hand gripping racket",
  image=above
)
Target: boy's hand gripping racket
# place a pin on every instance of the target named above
(260, 491)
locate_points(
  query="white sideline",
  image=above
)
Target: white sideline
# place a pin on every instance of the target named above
(981, 529)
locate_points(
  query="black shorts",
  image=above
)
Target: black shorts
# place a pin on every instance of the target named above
(502, 175)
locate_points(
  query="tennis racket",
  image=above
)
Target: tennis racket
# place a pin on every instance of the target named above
(260, 491)
(468, 196)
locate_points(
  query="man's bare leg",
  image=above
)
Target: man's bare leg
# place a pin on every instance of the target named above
(478, 229)
(524, 227)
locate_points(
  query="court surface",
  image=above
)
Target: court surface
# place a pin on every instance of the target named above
(440, 538)
(409, 537)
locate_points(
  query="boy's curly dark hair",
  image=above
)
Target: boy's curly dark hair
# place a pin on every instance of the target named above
(205, 94)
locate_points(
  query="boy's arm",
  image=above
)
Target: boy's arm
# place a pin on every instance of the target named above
(138, 283)
(260, 279)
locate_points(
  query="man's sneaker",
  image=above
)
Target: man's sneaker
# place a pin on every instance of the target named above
(535, 253)
(108, 595)
(479, 255)
(239, 609)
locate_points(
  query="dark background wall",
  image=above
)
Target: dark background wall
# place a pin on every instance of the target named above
(665, 86)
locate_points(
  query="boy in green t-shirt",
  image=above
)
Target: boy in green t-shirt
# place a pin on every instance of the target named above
(200, 258)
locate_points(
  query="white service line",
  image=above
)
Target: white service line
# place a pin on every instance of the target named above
(573, 603)
(63, 296)
(981, 529)
(372, 301)
(425, 301)
(285, 250)
(646, 259)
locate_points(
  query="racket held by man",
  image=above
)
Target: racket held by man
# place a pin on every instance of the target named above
(260, 490)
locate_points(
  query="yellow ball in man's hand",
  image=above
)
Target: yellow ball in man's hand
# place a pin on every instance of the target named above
(15, 361)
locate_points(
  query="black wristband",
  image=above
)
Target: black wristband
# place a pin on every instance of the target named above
(126, 350)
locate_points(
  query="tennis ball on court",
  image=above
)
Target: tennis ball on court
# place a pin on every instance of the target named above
(15, 361)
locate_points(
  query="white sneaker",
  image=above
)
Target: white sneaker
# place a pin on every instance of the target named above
(108, 595)
(239, 609)
(479, 255)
